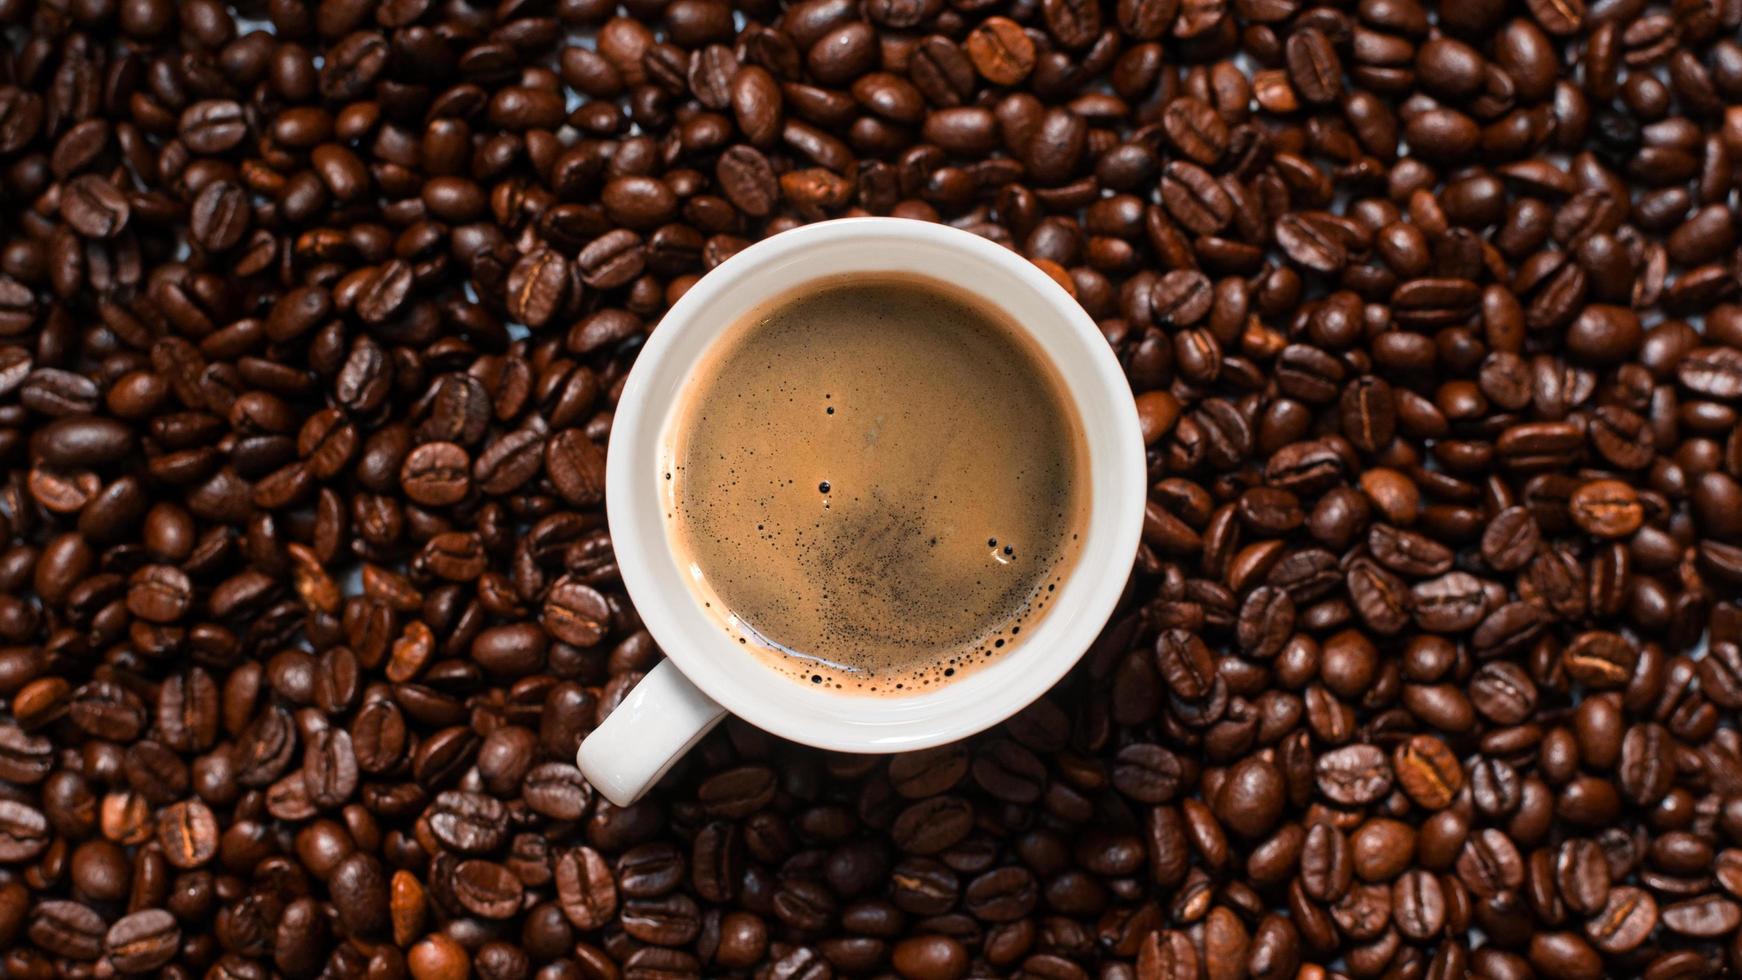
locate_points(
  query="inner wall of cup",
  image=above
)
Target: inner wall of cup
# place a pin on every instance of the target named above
(722, 299)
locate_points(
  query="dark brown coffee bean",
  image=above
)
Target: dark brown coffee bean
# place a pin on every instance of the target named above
(650, 870)
(1582, 876)
(384, 292)
(576, 613)
(1313, 66)
(1625, 921)
(538, 286)
(576, 467)
(214, 126)
(612, 260)
(1428, 771)
(437, 474)
(24, 832)
(1511, 539)
(509, 463)
(330, 768)
(468, 823)
(1606, 508)
(67, 929)
(1706, 916)
(486, 889)
(932, 825)
(1558, 16)
(915, 775)
(1266, 620)
(143, 941)
(737, 792)
(1418, 905)
(1001, 895)
(1185, 663)
(188, 833)
(220, 217)
(942, 71)
(359, 889)
(1326, 868)
(94, 207)
(641, 203)
(1601, 659)
(1354, 775)
(747, 180)
(584, 887)
(21, 115)
(1000, 51)
(1382, 599)
(1407, 552)
(1450, 603)
(1251, 799)
(1194, 198)
(1146, 20)
(159, 593)
(1196, 130)
(1009, 772)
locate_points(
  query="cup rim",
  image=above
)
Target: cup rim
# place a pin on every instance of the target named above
(846, 721)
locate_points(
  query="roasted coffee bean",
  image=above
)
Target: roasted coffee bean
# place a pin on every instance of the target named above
(1503, 693)
(468, 823)
(1489, 863)
(1149, 773)
(1313, 65)
(188, 832)
(932, 825)
(916, 775)
(1001, 895)
(747, 180)
(1428, 771)
(143, 941)
(93, 207)
(67, 929)
(215, 126)
(1309, 244)
(1194, 198)
(584, 887)
(576, 466)
(1185, 663)
(1196, 130)
(1624, 922)
(1354, 774)
(1418, 905)
(1001, 52)
(1601, 659)
(1582, 876)
(612, 260)
(1511, 539)
(1706, 916)
(24, 832)
(1606, 508)
(537, 287)
(486, 889)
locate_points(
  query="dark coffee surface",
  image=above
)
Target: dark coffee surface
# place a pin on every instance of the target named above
(310, 346)
(879, 481)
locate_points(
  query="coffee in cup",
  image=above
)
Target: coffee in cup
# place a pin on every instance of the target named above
(876, 483)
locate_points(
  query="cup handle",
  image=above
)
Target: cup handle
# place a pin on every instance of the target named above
(662, 718)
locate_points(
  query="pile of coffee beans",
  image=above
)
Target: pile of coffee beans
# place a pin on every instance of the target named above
(313, 314)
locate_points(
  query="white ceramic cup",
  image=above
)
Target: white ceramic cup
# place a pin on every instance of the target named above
(705, 674)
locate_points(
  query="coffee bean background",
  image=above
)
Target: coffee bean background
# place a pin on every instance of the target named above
(309, 340)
